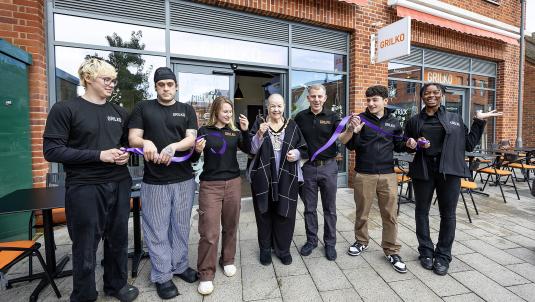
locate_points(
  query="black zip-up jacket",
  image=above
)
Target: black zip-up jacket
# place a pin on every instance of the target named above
(374, 151)
(456, 141)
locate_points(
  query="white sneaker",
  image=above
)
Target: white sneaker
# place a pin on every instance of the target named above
(229, 270)
(205, 287)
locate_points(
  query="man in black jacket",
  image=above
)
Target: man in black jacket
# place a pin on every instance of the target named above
(374, 145)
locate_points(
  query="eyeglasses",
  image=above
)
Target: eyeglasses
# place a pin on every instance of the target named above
(434, 92)
(109, 81)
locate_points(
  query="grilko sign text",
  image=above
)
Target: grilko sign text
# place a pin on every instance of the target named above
(394, 40)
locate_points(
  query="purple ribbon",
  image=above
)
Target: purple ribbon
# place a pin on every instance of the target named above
(333, 138)
(371, 125)
(179, 159)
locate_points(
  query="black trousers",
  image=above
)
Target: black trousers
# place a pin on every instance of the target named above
(95, 212)
(448, 188)
(274, 230)
(325, 179)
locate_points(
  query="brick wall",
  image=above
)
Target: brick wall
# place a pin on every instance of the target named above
(508, 11)
(528, 122)
(22, 24)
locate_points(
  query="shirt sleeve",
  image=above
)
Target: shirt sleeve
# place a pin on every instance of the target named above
(56, 150)
(58, 123)
(255, 144)
(192, 118)
(136, 118)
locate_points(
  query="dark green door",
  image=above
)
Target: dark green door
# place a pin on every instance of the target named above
(15, 153)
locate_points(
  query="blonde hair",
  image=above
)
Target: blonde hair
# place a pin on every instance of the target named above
(93, 68)
(216, 107)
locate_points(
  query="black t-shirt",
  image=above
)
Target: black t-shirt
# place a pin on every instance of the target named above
(225, 166)
(164, 125)
(84, 129)
(433, 131)
(317, 129)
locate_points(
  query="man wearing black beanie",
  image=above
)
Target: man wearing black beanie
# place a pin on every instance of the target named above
(164, 128)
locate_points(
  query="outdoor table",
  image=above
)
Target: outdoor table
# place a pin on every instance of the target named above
(44, 199)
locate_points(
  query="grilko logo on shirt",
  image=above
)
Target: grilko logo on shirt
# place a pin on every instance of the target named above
(455, 123)
(325, 122)
(228, 133)
(390, 125)
(181, 114)
(114, 119)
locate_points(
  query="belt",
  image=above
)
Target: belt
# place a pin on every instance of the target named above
(318, 163)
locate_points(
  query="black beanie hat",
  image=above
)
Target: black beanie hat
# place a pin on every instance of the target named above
(164, 73)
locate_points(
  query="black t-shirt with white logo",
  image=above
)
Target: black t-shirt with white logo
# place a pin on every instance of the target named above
(317, 130)
(164, 125)
(90, 128)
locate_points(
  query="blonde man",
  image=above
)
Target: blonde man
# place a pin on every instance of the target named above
(85, 134)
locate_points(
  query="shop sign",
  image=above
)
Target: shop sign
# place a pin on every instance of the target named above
(444, 78)
(394, 40)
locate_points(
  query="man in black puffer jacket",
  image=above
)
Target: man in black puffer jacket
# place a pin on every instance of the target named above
(374, 145)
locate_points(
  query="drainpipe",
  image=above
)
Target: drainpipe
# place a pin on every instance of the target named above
(518, 142)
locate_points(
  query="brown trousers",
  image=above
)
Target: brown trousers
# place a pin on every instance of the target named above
(384, 186)
(219, 205)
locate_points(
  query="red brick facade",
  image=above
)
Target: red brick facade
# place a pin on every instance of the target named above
(528, 129)
(22, 22)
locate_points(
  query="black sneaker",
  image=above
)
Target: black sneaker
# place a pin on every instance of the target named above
(286, 260)
(265, 256)
(426, 262)
(440, 266)
(330, 252)
(167, 290)
(189, 275)
(356, 249)
(397, 263)
(126, 294)
(307, 248)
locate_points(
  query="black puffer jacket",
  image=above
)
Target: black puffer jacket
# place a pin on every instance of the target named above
(456, 142)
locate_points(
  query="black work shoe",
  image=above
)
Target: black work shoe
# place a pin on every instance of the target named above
(426, 262)
(286, 260)
(189, 275)
(126, 294)
(330, 252)
(265, 256)
(166, 290)
(440, 267)
(308, 248)
(397, 263)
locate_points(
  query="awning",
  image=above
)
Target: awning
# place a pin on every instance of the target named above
(358, 2)
(457, 26)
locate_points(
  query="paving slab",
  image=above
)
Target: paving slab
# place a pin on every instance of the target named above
(299, 288)
(326, 274)
(341, 295)
(440, 285)
(414, 290)
(525, 291)
(370, 286)
(485, 287)
(493, 270)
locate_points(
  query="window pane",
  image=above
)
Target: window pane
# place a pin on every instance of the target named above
(135, 79)
(99, 32)
(483, 100)
(404, 99)
(228, 49)
(318, 60)
(445, 77)
(479, 81)
(402, 71)
(336, 98)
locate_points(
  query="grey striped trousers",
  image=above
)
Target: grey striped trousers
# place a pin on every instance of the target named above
(166, 224)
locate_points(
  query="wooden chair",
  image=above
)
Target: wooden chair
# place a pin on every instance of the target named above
(495, 169)
(13, 252)
(402, 179)
(466, 186)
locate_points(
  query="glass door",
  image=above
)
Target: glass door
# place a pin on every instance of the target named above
(455, 101)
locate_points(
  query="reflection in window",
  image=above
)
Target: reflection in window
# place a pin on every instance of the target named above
(99, 32)
(404, 99)
(227, 49)
(483, 100)
(403, 71)
(318, 60)
(336, 98)
(135, 73)
(483, 81)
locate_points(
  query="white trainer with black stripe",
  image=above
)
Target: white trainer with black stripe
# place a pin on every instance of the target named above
(356, 249)
(397, 263)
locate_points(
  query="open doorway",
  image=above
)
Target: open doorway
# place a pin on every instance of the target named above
(252, 90)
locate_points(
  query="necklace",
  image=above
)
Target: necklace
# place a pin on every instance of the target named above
(275, 137)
